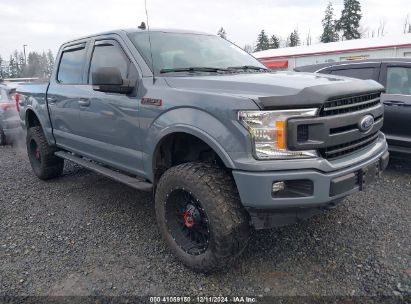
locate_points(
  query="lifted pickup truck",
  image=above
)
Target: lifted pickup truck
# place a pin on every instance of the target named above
(223, 143)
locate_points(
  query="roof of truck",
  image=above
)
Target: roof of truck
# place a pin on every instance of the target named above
(134, 30)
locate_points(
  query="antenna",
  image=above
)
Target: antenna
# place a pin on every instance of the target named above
(149, 40)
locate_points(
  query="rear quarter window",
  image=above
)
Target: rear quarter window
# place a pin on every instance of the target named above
(71, 66)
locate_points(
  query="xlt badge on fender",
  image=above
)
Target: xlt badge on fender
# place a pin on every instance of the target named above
(366, 123)
(151, 101)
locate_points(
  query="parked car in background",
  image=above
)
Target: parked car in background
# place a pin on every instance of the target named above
(395, 75)
(9, 120)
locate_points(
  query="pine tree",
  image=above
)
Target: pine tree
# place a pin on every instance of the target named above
(38, 65)
(274, 42)
(50, 63)
(293, 39)
(330, 33)
(263, 42)
(1, 68)
(222, 33)
(349, 22)
(308, 39)
(248, 48)
(13, 68)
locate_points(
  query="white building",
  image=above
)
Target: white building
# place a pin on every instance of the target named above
(292, 57)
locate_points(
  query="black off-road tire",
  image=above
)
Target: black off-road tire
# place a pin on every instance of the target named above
(47, 165)
(3, 140)
(228, 223)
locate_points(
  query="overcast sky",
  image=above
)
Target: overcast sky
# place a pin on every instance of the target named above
(45, 24)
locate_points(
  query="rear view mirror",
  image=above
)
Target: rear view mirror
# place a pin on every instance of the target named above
(109, 80)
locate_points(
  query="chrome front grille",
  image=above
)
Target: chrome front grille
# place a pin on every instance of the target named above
(350, 104)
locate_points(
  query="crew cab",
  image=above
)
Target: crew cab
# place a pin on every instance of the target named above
(224, 144)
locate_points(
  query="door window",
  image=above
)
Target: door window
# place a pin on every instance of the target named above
(71, 66)
(399, 80)
(360, 73)
(108, 55)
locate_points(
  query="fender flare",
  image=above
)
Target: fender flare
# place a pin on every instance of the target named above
(187, 129)
(47, 131)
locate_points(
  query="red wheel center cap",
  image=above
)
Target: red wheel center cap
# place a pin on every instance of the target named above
(37, 153)
(188, 219)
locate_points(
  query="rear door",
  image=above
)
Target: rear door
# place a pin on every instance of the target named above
(110, 121)
(66, 94)
(396, 77)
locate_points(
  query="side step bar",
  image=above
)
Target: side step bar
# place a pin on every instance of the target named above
(120, 177)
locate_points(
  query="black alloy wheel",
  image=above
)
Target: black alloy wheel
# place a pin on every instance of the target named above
(187, 221)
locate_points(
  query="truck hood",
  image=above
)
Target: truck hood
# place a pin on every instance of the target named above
(278, 90)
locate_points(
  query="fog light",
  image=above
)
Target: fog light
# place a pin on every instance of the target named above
(278, 186)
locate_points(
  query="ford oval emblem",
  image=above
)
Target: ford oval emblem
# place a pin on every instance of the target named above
(366, 123)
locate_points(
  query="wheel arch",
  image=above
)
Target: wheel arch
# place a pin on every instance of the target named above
(196, 140)
(32, 118)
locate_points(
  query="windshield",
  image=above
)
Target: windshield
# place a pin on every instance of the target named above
(176, 51)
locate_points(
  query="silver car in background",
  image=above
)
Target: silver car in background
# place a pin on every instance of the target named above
(9, 120)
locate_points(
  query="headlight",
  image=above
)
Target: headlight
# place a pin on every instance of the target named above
(268, 130)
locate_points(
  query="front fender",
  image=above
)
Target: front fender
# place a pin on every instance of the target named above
(226, 139)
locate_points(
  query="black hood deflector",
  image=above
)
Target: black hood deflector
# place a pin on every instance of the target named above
(316, 96)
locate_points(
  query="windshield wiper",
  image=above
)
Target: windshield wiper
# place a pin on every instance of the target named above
(194, 69)
(247, 67)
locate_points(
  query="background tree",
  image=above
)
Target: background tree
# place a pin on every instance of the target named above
(407, 25)
(274, 42)
(330, 33)
(18, 63)
(381, 28)
(293, 39)
(1, 68)
(13, 68)
(349, 22)
(248, 48)
(50, 63)
(222, 33)
(308, 39)
(263, 42)
(39, 65)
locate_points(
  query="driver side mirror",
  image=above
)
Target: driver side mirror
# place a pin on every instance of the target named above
(109, 80)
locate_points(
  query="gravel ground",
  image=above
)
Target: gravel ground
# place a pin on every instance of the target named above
(83, 234)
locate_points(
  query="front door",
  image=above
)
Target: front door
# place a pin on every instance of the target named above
(110, 121)
(397, 102)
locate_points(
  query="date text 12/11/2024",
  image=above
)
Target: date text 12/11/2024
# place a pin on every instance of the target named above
(203, 299)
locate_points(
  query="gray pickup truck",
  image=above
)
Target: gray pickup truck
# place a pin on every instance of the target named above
(223, 143)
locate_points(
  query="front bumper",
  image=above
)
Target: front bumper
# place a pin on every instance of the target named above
(256, 194)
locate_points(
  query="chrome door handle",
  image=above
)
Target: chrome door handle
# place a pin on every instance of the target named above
(84, 102)
(107, 113)
(51, 100)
